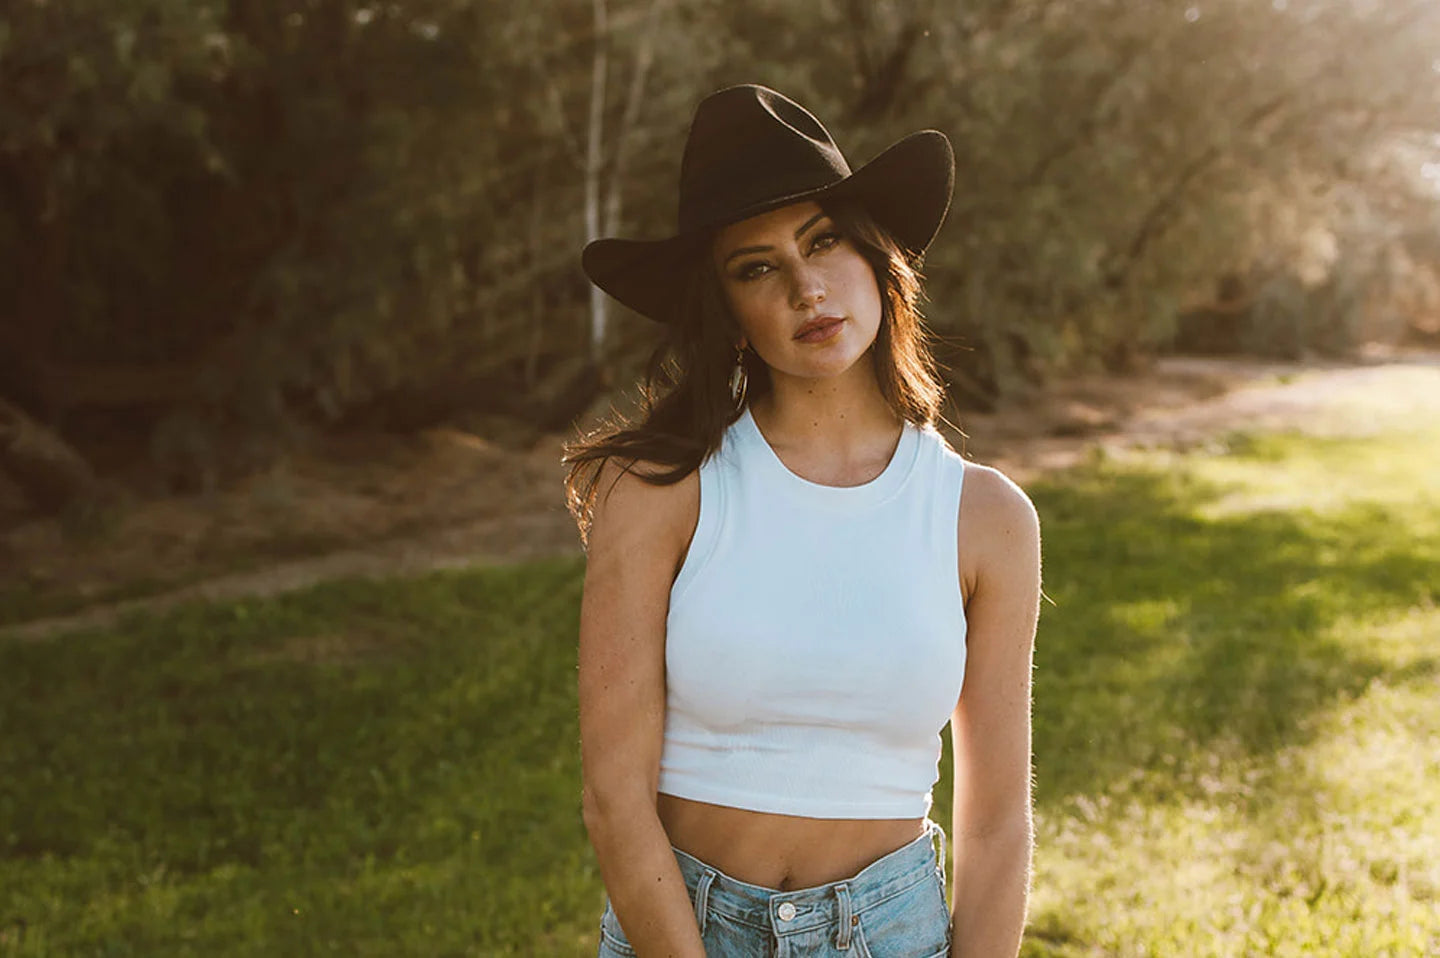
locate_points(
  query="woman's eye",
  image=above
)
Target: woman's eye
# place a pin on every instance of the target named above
(825, 241)
(752, 270)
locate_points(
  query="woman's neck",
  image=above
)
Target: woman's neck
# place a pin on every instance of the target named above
(842, 418)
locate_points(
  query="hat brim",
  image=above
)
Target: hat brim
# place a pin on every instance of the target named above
(906, 188)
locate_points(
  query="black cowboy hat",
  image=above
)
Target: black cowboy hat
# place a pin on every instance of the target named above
(750, 150)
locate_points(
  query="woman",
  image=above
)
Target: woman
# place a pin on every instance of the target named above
(785, 588)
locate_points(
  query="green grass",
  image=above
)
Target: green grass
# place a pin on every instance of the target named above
(1236, 703)
(1235, 731)
(358, 769)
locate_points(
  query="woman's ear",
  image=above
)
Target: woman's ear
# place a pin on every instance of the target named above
(744, 344)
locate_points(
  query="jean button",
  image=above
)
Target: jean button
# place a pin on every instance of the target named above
(786, 911)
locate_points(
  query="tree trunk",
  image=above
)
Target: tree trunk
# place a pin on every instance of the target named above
(633, 104)
(594, 160)
(536, 248)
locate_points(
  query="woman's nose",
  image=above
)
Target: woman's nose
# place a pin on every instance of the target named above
(807, 287)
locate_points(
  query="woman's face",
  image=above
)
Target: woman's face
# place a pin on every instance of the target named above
(784, 269)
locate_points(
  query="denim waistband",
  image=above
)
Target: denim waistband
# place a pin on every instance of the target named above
(807, 908)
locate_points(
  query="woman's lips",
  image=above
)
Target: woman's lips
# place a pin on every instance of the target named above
(818, 334)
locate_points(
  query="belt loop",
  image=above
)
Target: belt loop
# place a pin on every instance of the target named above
(702, 898)
(842, 899)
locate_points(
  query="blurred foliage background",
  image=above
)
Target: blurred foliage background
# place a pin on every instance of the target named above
(227, 224)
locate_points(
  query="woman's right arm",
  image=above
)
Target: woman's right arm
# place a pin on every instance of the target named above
(639, 533)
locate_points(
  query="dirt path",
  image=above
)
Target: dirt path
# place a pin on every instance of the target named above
(1244, 395)
(397, 507)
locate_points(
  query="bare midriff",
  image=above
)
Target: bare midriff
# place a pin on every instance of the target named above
(783, 852)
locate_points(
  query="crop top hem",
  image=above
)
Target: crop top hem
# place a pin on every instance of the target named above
(806, 806)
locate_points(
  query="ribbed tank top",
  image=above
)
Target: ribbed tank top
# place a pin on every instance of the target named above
(815, 642)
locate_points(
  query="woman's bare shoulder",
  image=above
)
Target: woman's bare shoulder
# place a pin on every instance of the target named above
(993, 497)
(998, 528)
(632, 512)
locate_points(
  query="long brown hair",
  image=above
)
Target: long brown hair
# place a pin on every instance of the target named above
(685, 402)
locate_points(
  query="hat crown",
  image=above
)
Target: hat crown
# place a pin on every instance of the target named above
(750, 147)
(750, 150)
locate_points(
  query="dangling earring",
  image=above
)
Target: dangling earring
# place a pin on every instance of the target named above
(739, 378)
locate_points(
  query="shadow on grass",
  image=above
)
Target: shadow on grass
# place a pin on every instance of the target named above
(1248, 688)
(1173, 632)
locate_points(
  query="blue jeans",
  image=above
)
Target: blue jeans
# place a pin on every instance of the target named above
(894, 908)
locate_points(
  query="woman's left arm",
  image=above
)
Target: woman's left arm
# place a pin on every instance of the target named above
(991, 830)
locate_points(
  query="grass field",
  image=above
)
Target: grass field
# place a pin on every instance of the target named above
(1237, 715)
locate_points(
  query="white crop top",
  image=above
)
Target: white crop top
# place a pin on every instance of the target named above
(815, 643)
